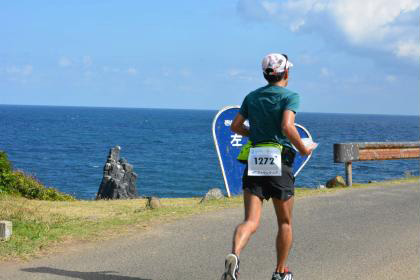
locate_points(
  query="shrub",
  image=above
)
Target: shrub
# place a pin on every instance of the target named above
(21, 184)
(5, 165)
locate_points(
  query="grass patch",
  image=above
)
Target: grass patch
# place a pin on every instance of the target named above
(407, 180)
(39, 226)
(302, 192)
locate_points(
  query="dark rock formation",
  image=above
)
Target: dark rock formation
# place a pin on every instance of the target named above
(119, 181)
(337, 181)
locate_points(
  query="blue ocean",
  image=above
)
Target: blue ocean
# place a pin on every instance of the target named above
(172, 150)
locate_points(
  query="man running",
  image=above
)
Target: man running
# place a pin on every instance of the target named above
(270, 111)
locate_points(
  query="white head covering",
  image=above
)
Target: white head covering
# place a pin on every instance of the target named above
(278, 63)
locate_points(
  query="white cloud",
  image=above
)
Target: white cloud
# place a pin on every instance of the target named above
(373, 20)
(166, 71)
(306, 58)
(239, 74)
(18, 73)
(185, 73)
(88, 75)
(373, 24)
(108, 69)
(325, 72)
(270, 7)
(296, 25)
(409, 48)
(132, 71)
(12, 70)
(25, 70)
(87, 61)
(390, 78)
(234, 72)
(64, 61)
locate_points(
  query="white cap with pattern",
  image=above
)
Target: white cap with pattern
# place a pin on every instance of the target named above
(277, 63)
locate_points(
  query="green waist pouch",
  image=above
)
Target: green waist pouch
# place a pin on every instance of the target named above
(244, 153)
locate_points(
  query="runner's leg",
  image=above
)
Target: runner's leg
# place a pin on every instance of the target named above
(253, 207)
(284, 239)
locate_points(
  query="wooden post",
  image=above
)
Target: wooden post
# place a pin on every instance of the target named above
(349, 179)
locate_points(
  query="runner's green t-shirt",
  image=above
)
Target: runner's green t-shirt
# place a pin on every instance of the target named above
(264, 109)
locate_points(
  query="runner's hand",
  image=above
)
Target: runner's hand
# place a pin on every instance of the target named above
(309, 149)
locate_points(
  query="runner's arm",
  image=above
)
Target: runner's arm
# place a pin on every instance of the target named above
(289, 129)
(238, 127)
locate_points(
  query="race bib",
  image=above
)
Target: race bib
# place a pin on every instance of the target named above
(264, 161)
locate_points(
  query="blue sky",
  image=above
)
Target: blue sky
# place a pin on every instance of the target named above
(350, 56)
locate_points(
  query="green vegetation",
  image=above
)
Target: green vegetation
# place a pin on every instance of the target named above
(20, 184)
(5, 165)
(40, 225)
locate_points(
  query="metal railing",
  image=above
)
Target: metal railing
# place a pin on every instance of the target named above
(364, 151)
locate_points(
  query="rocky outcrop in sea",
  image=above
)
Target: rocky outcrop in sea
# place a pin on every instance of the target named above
(119, 179)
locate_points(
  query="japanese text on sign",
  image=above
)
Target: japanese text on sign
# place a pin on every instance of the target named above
(236, 140)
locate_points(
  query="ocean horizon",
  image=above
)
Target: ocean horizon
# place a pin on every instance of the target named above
(195, 109)
(172, 149)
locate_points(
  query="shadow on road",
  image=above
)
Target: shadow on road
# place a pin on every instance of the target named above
(103, 275)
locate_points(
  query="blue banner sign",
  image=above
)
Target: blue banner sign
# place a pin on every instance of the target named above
(229, 144)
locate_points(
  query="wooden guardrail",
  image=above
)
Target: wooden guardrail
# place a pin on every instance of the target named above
(348, 152)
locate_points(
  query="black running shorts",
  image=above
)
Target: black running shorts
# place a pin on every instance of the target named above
(280, 187)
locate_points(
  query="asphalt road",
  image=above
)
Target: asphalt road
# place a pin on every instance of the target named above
(365, 234)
